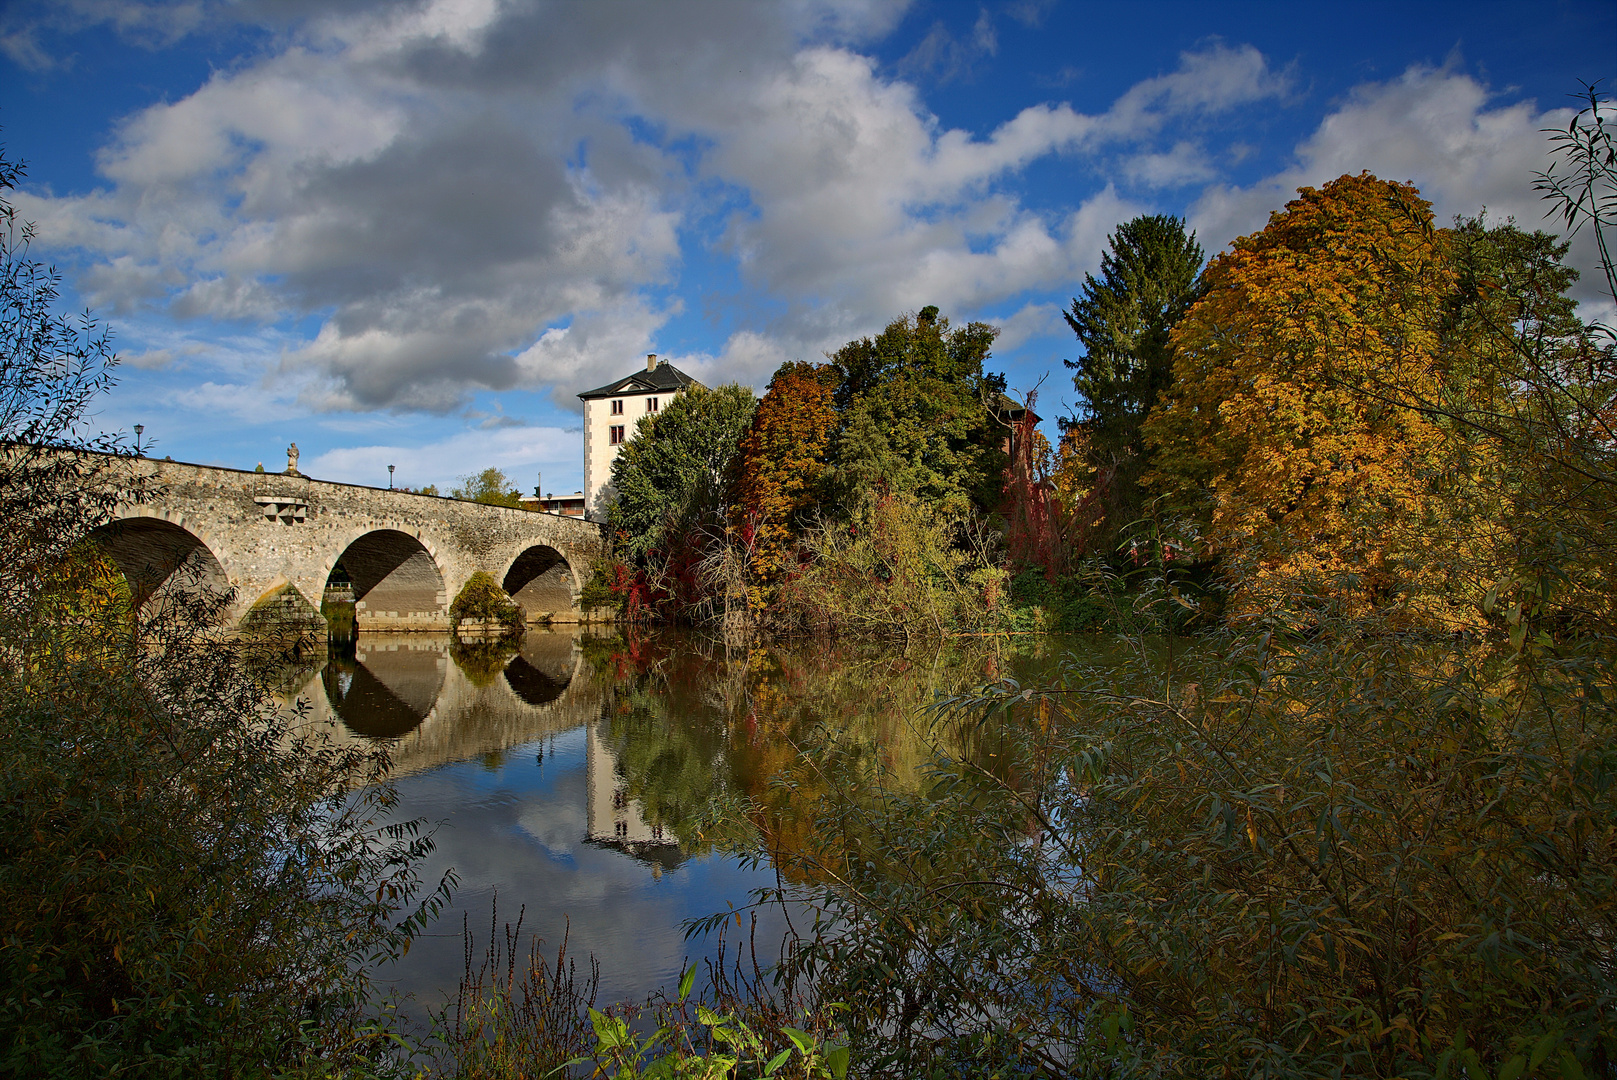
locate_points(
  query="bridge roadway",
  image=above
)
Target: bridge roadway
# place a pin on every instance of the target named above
(274, 539)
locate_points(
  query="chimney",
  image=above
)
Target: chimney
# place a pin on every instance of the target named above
(651, 361)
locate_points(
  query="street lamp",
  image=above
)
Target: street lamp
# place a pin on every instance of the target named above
(138, 429)
(390, 478)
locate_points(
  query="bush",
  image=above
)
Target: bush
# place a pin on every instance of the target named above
(482, 598)
(188, 885)
(602, 590)
(1369, 856)
(899, 569)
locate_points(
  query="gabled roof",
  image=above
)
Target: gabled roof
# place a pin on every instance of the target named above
(665, 377)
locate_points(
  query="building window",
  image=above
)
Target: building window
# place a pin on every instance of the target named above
(651, 404)
(617, 408)
(617, 434)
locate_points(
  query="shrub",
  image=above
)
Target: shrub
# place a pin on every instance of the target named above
(899, 569)
(482, 598)
(187, 884)
(602, 590)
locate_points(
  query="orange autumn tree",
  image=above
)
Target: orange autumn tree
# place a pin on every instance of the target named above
(783, 464)
(1309, 485)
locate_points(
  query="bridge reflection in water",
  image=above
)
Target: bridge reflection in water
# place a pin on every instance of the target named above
(432, 709)
(509, 754)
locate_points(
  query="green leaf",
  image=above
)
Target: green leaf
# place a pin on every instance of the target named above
(1541, 1050)
(804, 1041)
(1513, 1068)
(776, 1062)
(836, 1057)
(609, 1030)
(686, 981)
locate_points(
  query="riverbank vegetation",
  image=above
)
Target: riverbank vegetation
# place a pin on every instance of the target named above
(1367, 826)
(874, 471)
(1348, 411)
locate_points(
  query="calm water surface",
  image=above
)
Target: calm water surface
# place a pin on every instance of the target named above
(575, 777)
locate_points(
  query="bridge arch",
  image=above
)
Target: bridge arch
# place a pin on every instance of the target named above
(542, 579)
(162, 556)
(399, 580)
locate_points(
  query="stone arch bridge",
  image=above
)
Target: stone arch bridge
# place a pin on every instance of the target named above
(275, 539)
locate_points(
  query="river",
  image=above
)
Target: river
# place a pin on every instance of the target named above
(596, 783)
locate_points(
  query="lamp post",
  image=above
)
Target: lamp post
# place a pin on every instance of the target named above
(138, 429)
(390, 478)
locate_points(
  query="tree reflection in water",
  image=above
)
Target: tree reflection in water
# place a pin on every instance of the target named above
(738, 745)
(610, 784)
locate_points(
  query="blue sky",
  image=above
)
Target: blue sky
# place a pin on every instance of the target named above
(410, 232)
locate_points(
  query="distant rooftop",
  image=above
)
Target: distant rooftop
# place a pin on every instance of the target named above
(659, 376)
(1011, 410)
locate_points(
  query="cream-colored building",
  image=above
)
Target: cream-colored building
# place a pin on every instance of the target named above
(610, 416)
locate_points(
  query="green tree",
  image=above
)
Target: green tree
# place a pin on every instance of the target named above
(915, 414)
(672, 476)
(1150, 276)
(489, 487)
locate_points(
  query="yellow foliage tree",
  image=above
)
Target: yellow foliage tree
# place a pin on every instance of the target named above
(1306, 480)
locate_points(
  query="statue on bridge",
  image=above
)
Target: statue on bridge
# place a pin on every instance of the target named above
(292, 460)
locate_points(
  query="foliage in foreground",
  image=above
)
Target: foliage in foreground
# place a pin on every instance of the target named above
(713, 1046)
(1358, 856)
(186, 889)
(542, 1022)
